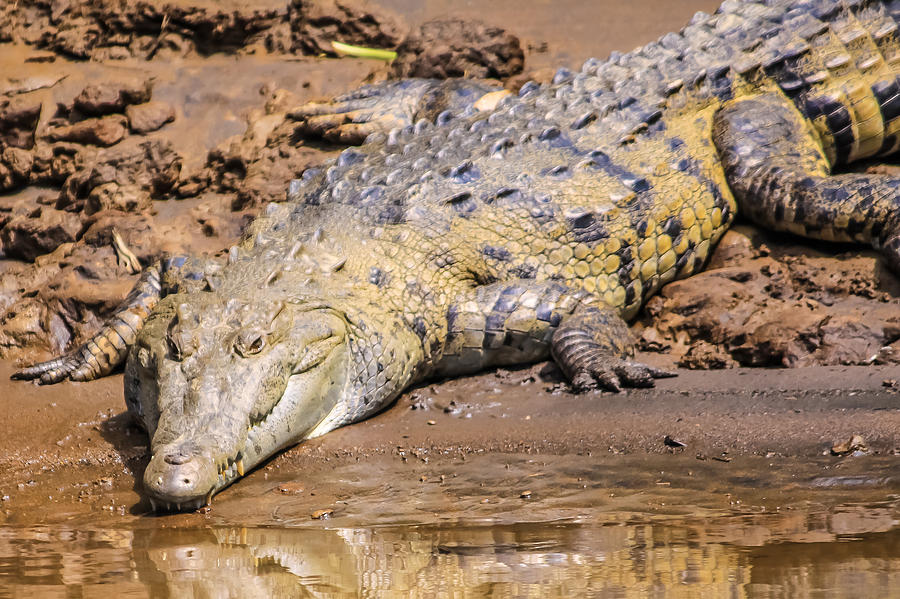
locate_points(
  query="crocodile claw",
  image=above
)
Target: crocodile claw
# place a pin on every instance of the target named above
(49, 372)
(350, 118)
(620, 373)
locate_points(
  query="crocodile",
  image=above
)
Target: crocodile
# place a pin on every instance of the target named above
(528, 227)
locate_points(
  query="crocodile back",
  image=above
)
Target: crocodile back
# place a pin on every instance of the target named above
(608, 178)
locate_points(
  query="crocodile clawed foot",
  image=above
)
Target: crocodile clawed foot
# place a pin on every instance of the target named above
(351, 127)
(49, 372)
(350, 118)
(614, 374)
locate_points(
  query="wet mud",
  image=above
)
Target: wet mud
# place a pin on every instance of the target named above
(167, 123)
(715, 483)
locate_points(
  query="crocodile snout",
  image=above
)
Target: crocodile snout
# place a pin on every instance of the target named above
(178, 479)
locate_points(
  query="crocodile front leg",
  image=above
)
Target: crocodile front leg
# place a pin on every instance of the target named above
(107, 349)
(776, 166)
(380, 107)
(524, 321)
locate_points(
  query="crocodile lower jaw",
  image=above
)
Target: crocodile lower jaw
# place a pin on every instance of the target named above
(159, 505)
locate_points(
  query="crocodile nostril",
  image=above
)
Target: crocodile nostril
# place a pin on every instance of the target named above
(176, 459)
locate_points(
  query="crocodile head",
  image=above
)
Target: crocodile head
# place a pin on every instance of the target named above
(221, 385)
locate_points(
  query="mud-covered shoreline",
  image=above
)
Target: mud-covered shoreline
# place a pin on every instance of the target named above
(469, 448)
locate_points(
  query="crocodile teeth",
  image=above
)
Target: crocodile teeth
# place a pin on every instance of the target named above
(240, 467)
(152, 503)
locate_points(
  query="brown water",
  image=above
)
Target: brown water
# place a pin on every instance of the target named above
(847, 551)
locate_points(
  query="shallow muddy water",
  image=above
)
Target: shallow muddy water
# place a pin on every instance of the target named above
(847, 551)
(514, 491)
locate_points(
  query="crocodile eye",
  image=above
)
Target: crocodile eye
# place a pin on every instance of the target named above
(256, 345)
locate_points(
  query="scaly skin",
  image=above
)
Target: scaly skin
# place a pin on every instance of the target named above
(509, 235)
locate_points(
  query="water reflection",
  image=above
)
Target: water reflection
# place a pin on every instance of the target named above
(846, 551)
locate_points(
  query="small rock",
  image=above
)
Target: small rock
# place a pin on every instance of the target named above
(149, 116)
(27, 237)
(670, 442)
(112, 97)
(525, 494)
(321, 514)
(457, 48)
(290, 489)
(15, 167)
(651, 340)
(431, 423)
(77, 41)
(18, 119)
(112, 196)
(854, 444)
(99, 100)
(104, 131)
(354, 22)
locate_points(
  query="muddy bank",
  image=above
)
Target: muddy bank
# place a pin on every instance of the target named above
(471, 448)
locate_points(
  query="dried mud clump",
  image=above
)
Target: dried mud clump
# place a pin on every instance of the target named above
(18, 119)
(458, 48)
(118, 29)
(85, 164)
(91, 147)
(257, 166)
(765, 300)
(314, 25)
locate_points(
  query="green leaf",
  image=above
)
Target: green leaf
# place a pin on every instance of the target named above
(360, 52)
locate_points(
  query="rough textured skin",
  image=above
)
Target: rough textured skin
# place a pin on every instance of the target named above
(505, 236)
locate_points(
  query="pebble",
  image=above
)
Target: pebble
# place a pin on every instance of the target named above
(670, 442)
(290, 489)
(855, 444)
(321, 514)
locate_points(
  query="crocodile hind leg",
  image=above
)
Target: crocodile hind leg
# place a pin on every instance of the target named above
(107, 349)
(781, 178)
(523, 321)
(380, 107)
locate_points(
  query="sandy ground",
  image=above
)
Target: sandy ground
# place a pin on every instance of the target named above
(513, 445)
